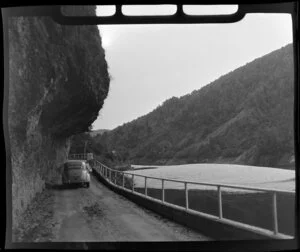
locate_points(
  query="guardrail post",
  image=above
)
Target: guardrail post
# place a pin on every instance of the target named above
(116, 173)
(123, 180)
(132, 182)
(110, 175)
(146, 186)
(186, 196)
(220, 202)
(275, 220)
(163, 190)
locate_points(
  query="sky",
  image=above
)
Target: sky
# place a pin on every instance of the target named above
(151, 63)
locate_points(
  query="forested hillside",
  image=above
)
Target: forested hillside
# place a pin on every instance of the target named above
(244, 117)
(97, 132)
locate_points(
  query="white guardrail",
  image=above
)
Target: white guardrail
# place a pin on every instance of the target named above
(107, 172)
(81, 156)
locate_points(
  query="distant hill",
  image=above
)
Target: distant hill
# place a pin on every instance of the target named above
(244, 117)
(98, 132)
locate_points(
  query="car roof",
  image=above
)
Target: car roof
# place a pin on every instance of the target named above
(74, 162)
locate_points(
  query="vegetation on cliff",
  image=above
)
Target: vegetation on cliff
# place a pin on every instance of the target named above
(244, 117)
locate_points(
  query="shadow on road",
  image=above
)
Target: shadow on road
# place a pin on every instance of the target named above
(63, 187)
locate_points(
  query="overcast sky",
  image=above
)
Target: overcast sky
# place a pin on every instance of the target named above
(151, 63)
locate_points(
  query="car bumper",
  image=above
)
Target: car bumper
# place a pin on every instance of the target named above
(75, 180)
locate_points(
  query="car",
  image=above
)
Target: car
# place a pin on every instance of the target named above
(76, 172)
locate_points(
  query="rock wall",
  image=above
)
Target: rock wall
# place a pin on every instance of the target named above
(58, 81)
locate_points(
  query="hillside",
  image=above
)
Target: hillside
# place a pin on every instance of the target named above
(244, 117)
(98, 132)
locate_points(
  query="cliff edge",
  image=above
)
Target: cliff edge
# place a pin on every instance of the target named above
(58, 81)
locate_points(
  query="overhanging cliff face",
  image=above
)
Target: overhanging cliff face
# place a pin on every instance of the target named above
(58, 81)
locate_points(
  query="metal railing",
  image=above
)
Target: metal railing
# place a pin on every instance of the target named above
(80, 156)
(107, 172)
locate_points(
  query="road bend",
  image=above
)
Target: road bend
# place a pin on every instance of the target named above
(97, 214)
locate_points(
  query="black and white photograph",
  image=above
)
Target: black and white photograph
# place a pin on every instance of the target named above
(149, 132)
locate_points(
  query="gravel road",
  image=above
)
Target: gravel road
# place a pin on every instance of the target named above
(98, 214)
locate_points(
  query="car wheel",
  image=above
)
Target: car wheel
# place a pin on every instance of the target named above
(87, 185)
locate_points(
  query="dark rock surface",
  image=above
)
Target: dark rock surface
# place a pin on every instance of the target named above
(58, 81)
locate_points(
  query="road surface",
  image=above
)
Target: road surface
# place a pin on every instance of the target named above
(98, 214)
